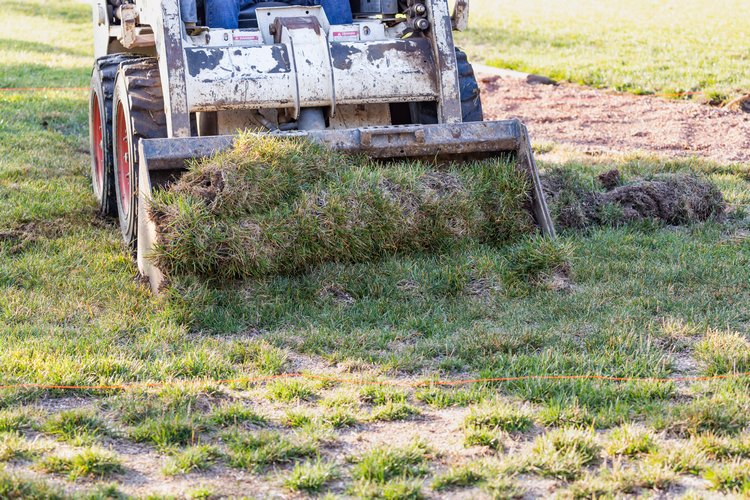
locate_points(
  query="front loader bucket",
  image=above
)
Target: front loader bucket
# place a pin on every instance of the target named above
(162, 160)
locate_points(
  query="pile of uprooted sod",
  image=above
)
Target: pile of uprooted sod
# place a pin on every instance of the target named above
(270, 206)
(278, 206)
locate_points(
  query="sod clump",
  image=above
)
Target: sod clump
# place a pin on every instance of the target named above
(675, 199)
(278, 206)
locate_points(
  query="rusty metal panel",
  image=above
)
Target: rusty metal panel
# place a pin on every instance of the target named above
(384, 71)
(361, 115)
(240, 77)
(265, 76)
(395, 141)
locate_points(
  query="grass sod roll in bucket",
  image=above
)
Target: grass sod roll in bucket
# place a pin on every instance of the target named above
(278, 206)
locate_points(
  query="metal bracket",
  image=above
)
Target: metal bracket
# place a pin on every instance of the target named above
(169, 34)
(128, 16)
(460, 16)
(441, 36)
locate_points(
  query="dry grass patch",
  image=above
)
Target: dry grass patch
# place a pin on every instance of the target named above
(723, 352)
(629, 440)
(731, 478)
(14, 446)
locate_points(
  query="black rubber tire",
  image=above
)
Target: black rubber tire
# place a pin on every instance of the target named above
(100, 130)
(471, 100)
(137, 113)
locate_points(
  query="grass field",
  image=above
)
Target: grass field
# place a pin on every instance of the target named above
(645, 301)
(640, 46)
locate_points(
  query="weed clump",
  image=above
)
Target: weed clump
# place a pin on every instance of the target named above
(13, 446)
(234, 414)
(77, 427)
(442, 398)
(382, 465)
(458, 477)
(91, 463)
(504, 418)
(381, 394)
(193, 458)
(733, 477)
(562, 453)
(311, 476)
(391, 412)
(166, 431)
(716, 415)
(271, 206)
(723, 352)
(630, 441)
(16, 486)
(258, 450)
(16, 420)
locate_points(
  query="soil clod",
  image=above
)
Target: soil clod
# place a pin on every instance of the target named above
(674, 199)
(610, 179)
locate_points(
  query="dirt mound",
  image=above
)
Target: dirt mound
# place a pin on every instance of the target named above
(674, 199)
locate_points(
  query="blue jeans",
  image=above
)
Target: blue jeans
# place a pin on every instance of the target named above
(225, 13)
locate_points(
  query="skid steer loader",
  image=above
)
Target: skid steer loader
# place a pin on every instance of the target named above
(165, 89)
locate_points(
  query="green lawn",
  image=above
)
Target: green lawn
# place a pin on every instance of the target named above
(640, 46)
(647, 301)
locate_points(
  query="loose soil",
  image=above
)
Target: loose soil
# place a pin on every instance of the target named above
(594, 120)
(672, 198)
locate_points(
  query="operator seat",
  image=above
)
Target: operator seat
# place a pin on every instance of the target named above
(249, 18)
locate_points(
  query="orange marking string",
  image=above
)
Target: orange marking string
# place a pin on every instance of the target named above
(423, 383)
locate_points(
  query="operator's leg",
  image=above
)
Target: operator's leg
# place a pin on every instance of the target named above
(223, 13)
(338, 11)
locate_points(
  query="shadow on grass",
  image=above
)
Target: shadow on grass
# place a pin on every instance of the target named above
(41, 75)
(11, 45)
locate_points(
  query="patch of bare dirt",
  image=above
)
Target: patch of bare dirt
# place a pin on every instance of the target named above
(597, 120)
(29, 232)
